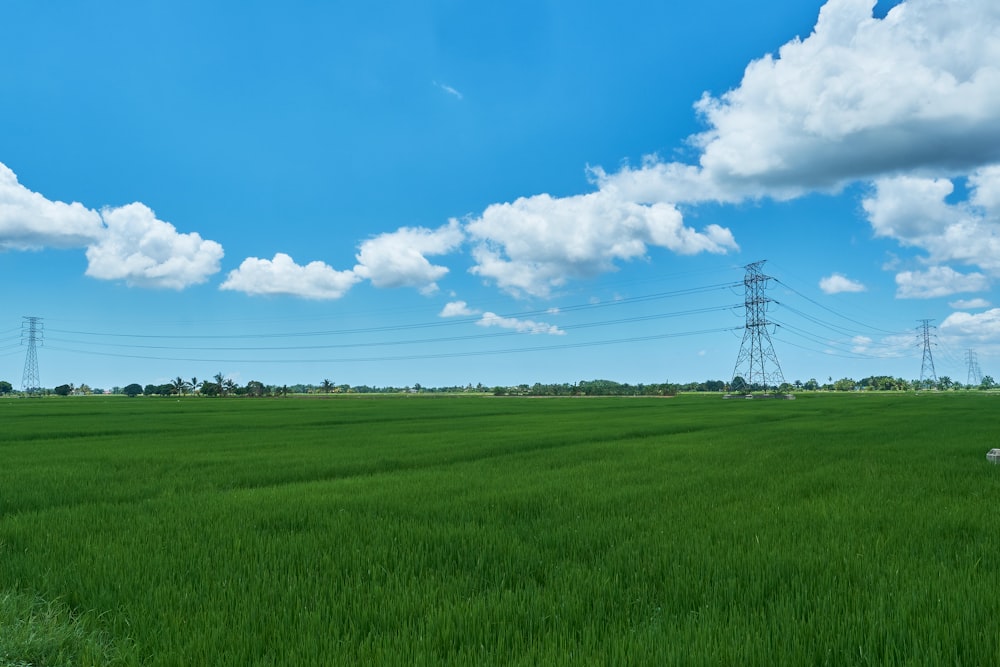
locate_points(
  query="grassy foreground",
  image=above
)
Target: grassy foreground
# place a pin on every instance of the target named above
(848, 529)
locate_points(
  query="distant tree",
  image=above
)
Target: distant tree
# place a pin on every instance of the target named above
(326, 386)
(85, 389)
(811, 385)
(229, 387)
(945, 383)
(5, 387)
(255, 388)
(987, 382)
(738, 385)
(132, 390)
(63, 390)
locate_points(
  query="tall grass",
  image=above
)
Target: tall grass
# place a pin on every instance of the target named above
(828, 530)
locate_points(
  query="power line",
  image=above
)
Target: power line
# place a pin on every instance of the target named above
(411, 357)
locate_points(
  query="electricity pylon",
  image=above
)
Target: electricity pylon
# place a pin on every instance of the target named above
(927, 371)
(757, 363)
(975, 377)
(32, 336)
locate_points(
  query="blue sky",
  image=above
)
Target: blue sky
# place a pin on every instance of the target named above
(393, 193)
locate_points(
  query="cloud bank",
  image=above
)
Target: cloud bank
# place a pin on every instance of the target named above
(908, 103)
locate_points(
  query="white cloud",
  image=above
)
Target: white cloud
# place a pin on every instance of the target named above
(282, 276)
(522, 326)
(457, 309)
(983, 326)
(985, 185)
(398, 259)
(858, 98)
(861, 344)
(448, 89)
(969, 304)
(837, 283)
(30, 221)
(915, 212)
(537, 243)
(937, 281)
(143, 251)
(862, 96)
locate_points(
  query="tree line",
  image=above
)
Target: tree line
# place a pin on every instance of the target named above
(221, 386)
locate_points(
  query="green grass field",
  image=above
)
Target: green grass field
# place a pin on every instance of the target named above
(834, 529)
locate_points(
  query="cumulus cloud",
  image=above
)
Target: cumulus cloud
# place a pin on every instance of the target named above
(521, 326)
(282, 276)
(983, 326)
(457, 309)
(938, 281)
(143, 251)
(537, 243)
(122, 243)
(837, 283)
(29, 221)
(863, 96)
(969, 304)
(858, 98)
(399, 259)
(915, 212)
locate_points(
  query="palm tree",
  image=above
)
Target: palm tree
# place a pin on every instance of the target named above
(195, 386)
(180, 385)
(219, 382)
(326, 386)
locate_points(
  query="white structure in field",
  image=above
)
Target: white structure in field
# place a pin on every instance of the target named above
(993, 456)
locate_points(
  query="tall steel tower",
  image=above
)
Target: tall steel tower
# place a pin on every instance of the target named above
(927, 371)
(757, 363)
(32, 336)
(975, 377)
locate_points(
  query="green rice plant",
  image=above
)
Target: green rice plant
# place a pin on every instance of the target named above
(39, 632)
(835, 530)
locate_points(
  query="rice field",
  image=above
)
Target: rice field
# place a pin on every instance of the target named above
(830, 530)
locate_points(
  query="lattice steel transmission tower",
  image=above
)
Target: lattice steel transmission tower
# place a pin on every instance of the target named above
(757, 363)
(975, 377)
(32, 336)
(927, 371)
